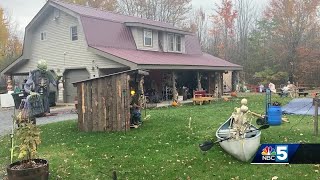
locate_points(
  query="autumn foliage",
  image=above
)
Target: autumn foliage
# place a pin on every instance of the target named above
(10, 44)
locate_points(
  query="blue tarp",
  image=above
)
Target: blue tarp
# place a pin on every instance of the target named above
(299, 106)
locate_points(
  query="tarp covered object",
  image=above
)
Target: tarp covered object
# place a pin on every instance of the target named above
(299, 106)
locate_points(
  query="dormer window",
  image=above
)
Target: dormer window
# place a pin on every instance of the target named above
(174, 42)
(171, 42)
(74, 33)
(147, 37)
(178, 43)
(43, 36)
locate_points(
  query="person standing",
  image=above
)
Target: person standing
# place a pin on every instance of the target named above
(272, 87)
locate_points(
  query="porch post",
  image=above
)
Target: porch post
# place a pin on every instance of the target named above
(199, 81)
(174, 88)
(141, 89)
(9, 83)
(218, 84)
(234, 80)
(221, 84)
(211, 80)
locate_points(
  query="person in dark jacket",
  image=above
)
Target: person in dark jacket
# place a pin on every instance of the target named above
(135, 113)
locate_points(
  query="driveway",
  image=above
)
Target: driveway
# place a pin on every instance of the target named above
(59, 113)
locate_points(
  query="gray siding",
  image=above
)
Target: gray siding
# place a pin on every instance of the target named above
(59, 43)
(137, 34)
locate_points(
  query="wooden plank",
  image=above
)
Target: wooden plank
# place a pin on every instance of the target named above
(118, 102)
(108, 102)
(85, 107)
(80, 107)
(113, 104)
(123, 108)
(127, 103)
(119, 99)
(101, 106)
(94, 103)
(89, 105)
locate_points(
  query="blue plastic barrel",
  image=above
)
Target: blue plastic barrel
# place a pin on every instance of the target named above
(274, 115)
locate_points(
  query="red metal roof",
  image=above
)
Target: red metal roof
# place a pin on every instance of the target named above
(107, 32)
(162, 58)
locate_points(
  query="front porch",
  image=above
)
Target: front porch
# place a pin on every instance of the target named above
(164, 86)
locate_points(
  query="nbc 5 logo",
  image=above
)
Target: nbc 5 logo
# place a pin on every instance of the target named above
(282, 153)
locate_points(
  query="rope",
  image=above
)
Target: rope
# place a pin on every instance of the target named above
(303, 106)
(301, 118)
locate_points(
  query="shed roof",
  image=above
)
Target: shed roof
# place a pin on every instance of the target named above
(114, 74)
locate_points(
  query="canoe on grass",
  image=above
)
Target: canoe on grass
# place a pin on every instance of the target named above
(244, 148)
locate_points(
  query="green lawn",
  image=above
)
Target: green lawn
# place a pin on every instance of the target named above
(165, 147)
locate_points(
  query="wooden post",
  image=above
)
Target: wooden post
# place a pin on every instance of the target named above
(221, 84)
(174, 88)
(316, 105)
(199, 81)
(234, 80)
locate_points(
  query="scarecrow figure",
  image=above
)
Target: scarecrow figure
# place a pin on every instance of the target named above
(39, 82)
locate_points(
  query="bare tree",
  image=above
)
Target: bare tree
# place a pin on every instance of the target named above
(199, 25)
(170, 11)
(244, 23)
(108, 5)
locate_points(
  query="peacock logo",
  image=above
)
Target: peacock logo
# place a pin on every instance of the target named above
(268, 151)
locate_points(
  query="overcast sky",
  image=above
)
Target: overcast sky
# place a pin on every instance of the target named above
(22, 11)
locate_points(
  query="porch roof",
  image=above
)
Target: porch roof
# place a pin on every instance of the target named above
(158, 60)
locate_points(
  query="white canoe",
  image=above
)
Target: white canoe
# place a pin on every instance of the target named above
(242, 149)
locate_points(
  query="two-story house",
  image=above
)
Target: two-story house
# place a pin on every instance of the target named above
(80, 42)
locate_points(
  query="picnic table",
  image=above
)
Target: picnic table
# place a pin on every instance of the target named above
(202, 96)
(301, 91)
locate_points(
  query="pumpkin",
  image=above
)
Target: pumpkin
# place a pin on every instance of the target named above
(174, 103)
(233, 94)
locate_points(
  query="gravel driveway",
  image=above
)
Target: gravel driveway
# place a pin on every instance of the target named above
(60, 114)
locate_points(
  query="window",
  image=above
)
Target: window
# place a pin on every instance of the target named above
(74, 33)
(147, 37)
(171, 42)
(174, 42)
(43, 36)
(178, 43)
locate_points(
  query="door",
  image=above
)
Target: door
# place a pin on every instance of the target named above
(71, 76)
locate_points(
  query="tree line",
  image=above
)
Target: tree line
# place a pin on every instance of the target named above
(277, 43)
(10, 44)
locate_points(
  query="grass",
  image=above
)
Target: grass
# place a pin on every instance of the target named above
(165, 147)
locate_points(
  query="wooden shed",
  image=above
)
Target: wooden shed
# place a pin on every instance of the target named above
(104, 102)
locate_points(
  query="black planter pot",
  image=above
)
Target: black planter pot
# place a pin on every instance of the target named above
(38, 173)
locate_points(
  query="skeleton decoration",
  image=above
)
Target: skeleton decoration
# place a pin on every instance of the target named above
(241, 120)
(39, 81)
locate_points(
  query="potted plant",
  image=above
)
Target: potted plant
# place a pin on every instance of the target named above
(28, 167)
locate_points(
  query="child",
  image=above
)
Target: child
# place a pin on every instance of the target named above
(135, 113)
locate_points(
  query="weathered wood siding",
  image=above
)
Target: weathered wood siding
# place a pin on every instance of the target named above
(104, 104)
(59, 42)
